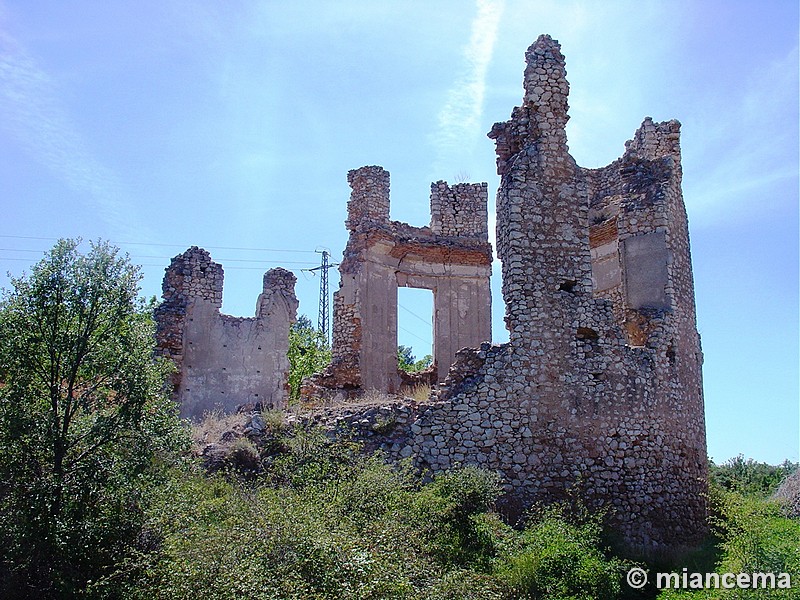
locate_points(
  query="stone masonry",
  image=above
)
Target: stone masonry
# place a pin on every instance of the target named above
(222, 361)
(452, 257)
(599, 391)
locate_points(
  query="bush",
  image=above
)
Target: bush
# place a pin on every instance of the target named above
(749, 476)
(322, 521)
(450, 513)
(755, 537)
(557, 560)
(243, 457)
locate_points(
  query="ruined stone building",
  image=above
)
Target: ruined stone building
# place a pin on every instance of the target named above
(599, 389)
(222, 361)
(452, 257)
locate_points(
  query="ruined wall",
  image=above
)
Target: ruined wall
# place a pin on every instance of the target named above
(224, 361)
(599, 389)
(451, 257)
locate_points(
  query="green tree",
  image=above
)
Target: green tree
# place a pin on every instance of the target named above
(84, 419)
(750, 477)
(309, 353)
(406, 361)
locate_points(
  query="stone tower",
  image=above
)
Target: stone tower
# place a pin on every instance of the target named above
(599, 389)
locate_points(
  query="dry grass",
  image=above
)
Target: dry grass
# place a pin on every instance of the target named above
(376, 397)
(213, 425)
(419, 392)
(367, 398)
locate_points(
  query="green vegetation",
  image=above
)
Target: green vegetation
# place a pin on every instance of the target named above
(100, 496)
(322, 520)
(751, 534)
(309, 353)
(406, 361)
(750, 477)
(85, 426)
(558, 558)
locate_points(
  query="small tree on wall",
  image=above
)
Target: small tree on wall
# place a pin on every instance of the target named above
(309, 353)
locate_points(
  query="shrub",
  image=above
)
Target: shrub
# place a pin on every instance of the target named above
(749, 476)
(557, 559)
(213, 425)
(449, 512)
(243, 457)
(464, 584)
(755, 537)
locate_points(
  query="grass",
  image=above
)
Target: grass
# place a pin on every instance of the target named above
(214, 423)
(419, 392)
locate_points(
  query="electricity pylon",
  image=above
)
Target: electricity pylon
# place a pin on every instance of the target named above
(323, 321)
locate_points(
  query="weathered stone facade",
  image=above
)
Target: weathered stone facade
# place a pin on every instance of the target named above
(223, 361)
(452, 257)
(599, 389)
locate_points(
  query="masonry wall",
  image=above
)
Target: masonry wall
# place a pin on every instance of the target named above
(223, 361)
(598, 392)
(451, 257)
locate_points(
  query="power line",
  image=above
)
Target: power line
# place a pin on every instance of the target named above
(324, 305)
(163, 265)
(413, 314)
(243, 260)
(166, 259)
(415, 335)
(51, 239)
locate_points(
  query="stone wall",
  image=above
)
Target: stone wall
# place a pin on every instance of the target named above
(452, 257)
(459, 210)
(599, 390)
(224, 361)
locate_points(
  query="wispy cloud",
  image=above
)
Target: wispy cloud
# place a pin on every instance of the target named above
(31, 112)
(753, 145)
(460, 118)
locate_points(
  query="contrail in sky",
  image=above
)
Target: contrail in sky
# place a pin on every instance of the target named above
(31, 112)
(460, 118)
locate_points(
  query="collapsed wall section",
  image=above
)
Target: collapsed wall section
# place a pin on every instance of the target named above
(600, 386)
(221, 361)
(451, 257)
(599, 391)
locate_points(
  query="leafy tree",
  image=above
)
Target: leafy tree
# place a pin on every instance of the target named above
(750, 477)
(84, 419)
(309, 353)
(406, 361)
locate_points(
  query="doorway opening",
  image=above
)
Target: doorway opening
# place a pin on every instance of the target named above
(414, 328)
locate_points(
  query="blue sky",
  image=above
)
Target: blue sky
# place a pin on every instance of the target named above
(232, 125)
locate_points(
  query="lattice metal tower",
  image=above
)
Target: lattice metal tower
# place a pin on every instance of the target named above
(323, 321)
